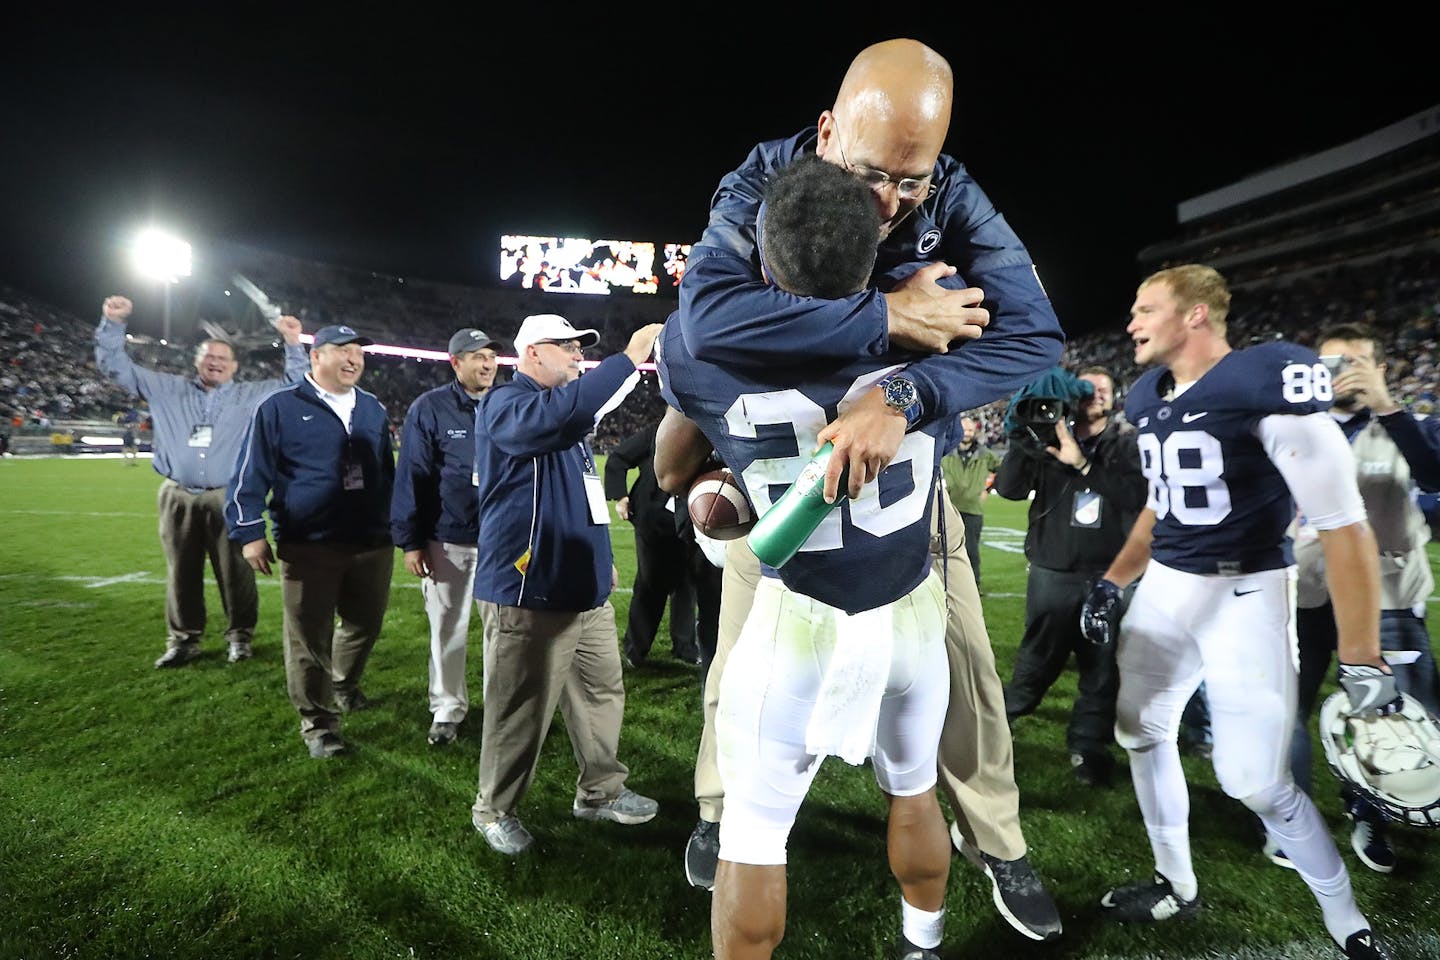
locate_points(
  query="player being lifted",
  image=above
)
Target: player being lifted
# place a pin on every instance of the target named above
(859, 602)
(840, 598)
(1231, 441)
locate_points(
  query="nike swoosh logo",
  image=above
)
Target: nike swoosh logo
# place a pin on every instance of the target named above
(1192, 417)
(1372, 688)
(308, 416)
(1246, 593)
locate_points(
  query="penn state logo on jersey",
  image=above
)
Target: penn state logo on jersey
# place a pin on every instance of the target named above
(1220, 505)
(766, 433)
(928, 241)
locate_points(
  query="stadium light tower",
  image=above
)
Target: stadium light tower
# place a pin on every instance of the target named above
(164, 258)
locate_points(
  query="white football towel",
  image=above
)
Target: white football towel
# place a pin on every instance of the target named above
(847, 709)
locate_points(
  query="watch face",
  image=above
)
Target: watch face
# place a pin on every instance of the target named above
(900, 393)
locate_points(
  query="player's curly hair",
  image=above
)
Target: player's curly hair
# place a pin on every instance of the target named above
(1194, 283)
(818, 230)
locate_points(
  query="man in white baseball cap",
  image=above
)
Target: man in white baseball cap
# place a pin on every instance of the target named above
(551, 328)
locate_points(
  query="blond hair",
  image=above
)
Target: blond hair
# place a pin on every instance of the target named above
(1193, 283)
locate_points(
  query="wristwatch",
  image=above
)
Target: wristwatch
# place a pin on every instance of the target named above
(900, 394)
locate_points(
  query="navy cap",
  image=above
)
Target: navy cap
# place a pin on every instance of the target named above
(339, 335)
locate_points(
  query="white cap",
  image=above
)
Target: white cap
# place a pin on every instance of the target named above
(551, 326)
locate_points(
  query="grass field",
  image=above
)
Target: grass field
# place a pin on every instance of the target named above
(176, 814)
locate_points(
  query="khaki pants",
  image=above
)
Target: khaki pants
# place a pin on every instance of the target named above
(536, 660)
(976, 754)
(321, 582)
(192, 527)
(448, 593)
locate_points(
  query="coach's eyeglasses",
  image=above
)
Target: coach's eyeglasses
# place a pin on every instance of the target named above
(569, 346)
(908, 188)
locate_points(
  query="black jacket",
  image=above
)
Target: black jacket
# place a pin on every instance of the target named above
(648, 512)
(1078, 523)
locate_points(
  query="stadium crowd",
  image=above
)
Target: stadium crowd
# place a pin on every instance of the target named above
(44, 382)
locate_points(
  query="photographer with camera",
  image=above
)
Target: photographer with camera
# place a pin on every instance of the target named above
(1084, 471)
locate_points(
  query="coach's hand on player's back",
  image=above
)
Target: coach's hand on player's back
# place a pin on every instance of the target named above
(1100, 617)
(642, 343)
(257, 554)
(117, 309)
(927, 317)
(866, 437)
(289, 328)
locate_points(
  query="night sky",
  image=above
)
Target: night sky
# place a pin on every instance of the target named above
(408, 144)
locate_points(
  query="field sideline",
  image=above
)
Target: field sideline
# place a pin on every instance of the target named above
(175, 814)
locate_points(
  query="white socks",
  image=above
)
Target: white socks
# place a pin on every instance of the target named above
(922, 927)
(1295, 824)
(1165, 806)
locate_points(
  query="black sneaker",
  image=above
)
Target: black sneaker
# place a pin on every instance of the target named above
(1372, 846)
(1018, 893)
(1148, 900)
(702, 854)
(177, 655)
(1364, 945)
(442, 732)
(908, 951)
(1092, 769)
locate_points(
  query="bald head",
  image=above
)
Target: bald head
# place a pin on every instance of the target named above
(891, 115)
(902, 84)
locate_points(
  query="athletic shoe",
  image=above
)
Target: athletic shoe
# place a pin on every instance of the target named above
(1364, 945)
(351, 701)
(1148, 900)
(1092, 769)
(506, 835)
(908, 951)
(178, 655)
(629, 808)
(1372, 846)
(442, 732)
(240, 650)
(1275, 855)
(1018, 893)
(325, 746)
(702, 854)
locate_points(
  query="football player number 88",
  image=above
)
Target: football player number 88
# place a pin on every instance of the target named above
(791, 408)
(1303, 382)
(1185, 477)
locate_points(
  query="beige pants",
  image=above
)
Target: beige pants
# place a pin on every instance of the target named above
(448, 593)
(976, 755)
(536, 660)
(320, 584)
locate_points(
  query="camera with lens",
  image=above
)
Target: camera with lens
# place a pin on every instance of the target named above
(1035, 419)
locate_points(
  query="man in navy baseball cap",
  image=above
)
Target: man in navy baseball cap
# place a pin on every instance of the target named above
(339, 335)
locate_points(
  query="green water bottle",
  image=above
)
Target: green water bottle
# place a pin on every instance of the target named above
(782, 531)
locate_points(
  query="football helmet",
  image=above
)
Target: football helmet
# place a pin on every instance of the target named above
(1393, 760)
